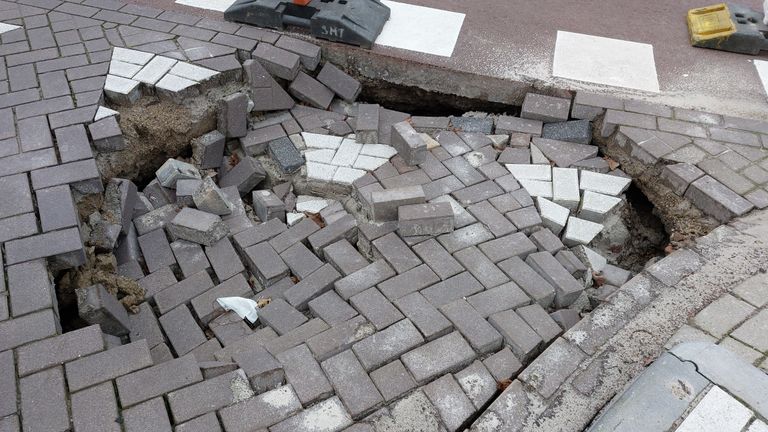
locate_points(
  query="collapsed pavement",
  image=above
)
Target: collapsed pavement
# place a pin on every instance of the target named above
(406, 267)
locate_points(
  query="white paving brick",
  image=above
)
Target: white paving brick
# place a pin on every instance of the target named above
(594, 260)
(717, 412)
(580, 231)
(378, 150)
(347, 153)
(604, 183)
(346, 175)
(596, 207)
(565, 187)
(321, 141)
(758, 426)
(119, 87)
(123, 69)
(553, 216)
(7, 27)
(192, 72)
(311, 204)
(537, 156)
(537, 188)
(174, 83)
(320, 172)
(530, 172)
(131, 56)
(369, 163)
(320, 155)
(104, 112)
(154, 70)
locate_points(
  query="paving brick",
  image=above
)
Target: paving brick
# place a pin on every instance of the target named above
(459, 286)
(733, 136)
(340, 337)
(438, 259)
(540, 321)
(539, 289)
(16, 195)
(723, 315)
(386, 203)
(107, 365)
(550, 370)
(261, 368)
(717, 200)
(246, 175)
(297, 233)
(95, 409)
(393, 380)
(503, 365)
(451, 402)
(472, 124)
(464, 171)
(409, 144)
(548, 109)
(311, 91)
(376, 308)
(426, 317)
(508, 125)
(317, 283)
(205, 423)
(363, 279)
(190, 257)
(344, 257)
(411, 281)
(18, 226)
(396, 252)
(44, 401)
(305, 375)
(331, 308)
(492, 218)
(334, 78)
(498, 299)
(481, 267)
(158, 380)
(8, 385)
(277, 61)
(387, 345)
(343, 228)
(330, 413)
(520, 337)
(296, 336)
(58, 350)
(209, 395)
(567, 289)
(96, 305)
(281, 316)
(465, 237)
(182, 330)
(447, 354)
(475, 329)
(150, 415)
(156, 250)
(261, 411)
(232, 115)
(352, 384)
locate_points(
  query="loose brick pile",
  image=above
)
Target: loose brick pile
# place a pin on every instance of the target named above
(434, 266)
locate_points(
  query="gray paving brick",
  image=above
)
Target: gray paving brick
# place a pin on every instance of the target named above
(552, 368)
(385, 203)
(449, 353)
(209, 395)
(465, 237)
(376, 308)
(34, 134)
(334, 78)
(296, 336)
(144, 325)
(96, 305)
(331, 413)
(438, 259)
(456, 287)
(309, 90)
(64, 247)
(411, 281)
(246, 175)
(265, 263)
(509, 124)
(492, 218)
(8, 384)
(396, 252)
(277, 61)
(44, 401)
(297, 233)
(540, 321)
(567, 289)
(60, 349)
(451, 402)
(352, 384)
(518, 335)
(475, 329)
(155, 282)
(16, 195)
(107, 365)
(717, 200)
(393, 380)
(343, 228)
(317, 283)
(387, 345)
(156, 250)
(481, 267)
(205, 423)
(430, 322)
(344, 257)
(259, 233)
(150, 415)
(261, 411)
(158, 380)
(182, 330)
(190, 257)
(331, 308)
(224, 259)
(465, 172)
(95, 409)
(339, 337)
(281, 316)
(305, 375)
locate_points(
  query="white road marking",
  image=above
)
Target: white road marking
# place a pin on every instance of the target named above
(216, 5)
(422, 29)
(600, 60)
(762, 71)
(7, 27)
(413, 28)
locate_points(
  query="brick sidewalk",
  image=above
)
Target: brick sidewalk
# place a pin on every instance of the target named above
(384, 322)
